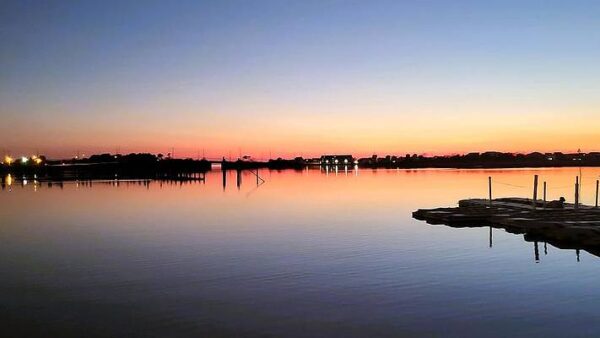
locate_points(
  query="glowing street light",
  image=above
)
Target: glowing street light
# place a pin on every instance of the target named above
(24, 159)
(8, 160)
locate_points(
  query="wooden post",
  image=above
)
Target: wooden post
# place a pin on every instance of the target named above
(544, 194)
(576, 192)
(535, 187)
(256, 176)
(597, 185)
(490, 189)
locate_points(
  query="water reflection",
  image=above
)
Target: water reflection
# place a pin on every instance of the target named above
(304, 254)
(183, 179)
(361, 190)
(558, 238)
(7, 181)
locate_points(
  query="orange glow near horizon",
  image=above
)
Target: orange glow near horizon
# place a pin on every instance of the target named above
(313, 136)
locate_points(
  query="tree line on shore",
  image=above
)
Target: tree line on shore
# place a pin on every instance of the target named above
(148, 163)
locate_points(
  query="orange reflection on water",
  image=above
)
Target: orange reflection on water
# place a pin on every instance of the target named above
(299, 194)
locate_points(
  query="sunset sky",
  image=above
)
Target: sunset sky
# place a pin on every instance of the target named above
(299, 77)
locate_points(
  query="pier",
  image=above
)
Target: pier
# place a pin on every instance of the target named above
(571, 227)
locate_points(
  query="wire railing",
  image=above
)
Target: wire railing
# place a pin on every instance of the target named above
(538, 191)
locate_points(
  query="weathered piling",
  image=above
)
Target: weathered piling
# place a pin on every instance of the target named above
(597, 185)
(490, 188)
(576, 192)
(535, 189)
(544, 194)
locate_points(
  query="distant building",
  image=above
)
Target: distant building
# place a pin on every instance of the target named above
(337, 160)
(314, 161)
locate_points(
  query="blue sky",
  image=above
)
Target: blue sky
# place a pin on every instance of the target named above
(298, 76)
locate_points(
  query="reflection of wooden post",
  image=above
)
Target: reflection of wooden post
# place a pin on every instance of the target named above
(490, 189)
(535, 186)
(597, 185)
(576, 192)
(544, 194)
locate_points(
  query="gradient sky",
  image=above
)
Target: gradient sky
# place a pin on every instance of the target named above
(301, 77)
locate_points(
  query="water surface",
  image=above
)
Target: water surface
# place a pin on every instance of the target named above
(306, 254)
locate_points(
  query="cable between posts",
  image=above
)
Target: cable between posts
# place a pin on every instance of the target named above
(511, 185)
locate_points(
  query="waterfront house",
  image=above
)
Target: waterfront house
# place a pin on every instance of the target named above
(337, 160)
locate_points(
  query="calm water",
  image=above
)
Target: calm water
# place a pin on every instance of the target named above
(307, 254)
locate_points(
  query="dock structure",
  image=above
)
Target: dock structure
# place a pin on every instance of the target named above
(570, 227)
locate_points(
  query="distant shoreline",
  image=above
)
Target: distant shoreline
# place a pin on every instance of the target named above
(157, 166)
